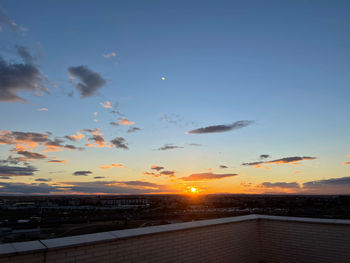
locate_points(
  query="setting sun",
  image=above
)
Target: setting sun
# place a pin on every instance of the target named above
(194, 190)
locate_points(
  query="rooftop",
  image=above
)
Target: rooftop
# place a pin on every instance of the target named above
(252, 238)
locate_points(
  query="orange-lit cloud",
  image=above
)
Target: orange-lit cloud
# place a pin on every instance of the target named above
(112, 165)
(206, 176)
(75, 137)
(125, 121)
(157, 167)
(106, 105)
(57, 161)
(27, 141)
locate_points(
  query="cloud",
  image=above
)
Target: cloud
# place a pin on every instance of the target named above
(24, 53)
(6, 21)
(23, 188)
(43, 180)
(112, 165)
(172, 119)
(195, 144)
(264, 156)
(75, 137)
(223, 166)
(109, 55)
(157, 167)
(90, 81)
(20, 77)
(30, 140)
(222, 128)
(206, 176)
(116, 187)
(99, 177)
(346, 163)
(82, 173)
(320, 187)
(125, 121)
(133, 129)
(57, 161)
(5, 177)
(43, 109)
(97, 140)
(148, 173)
(168, 173)
(120, 142)
(106, 105)
(169, 146)
(292, 185)
(7, 170)
(287, 160)
(32, 155)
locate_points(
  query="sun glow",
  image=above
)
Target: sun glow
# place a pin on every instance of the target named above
(194, 190)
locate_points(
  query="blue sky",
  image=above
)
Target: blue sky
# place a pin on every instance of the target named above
(282, 64)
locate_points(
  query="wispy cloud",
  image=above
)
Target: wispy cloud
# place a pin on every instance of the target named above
(157, 167)
(287, 160)
(6, 21)
(109, 55)
(222, 128)
(133, 129)
(206, 176)
(43, 109)
(169, 146)
(75, 137)
(90, 81)
(106, 105)
(111, 166)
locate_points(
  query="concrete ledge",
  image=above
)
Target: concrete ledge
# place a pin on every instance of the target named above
(81, 240)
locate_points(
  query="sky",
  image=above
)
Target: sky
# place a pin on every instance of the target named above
(157, 97)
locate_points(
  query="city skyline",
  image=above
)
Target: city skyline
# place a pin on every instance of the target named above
(178, 97)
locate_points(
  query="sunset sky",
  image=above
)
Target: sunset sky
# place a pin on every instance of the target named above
(131, 97)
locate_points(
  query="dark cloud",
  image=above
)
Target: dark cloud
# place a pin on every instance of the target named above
(19, 77)
(264, 156)
(120, 142)
(90, 81)
(223, 166)
(117, 187)
(169, 147)
(206, 176)
(222, 128)
(148, 173)
(293, 185)
(157, 167)
(113, 123)
(99, 177)
(6, 170)
(286, 160)
(133, 129)
(82, 173)
(168, 173)
(5, 177)
(32, 155)
(6, 21)
(43, 180)
(22, 188)
(343, 181)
